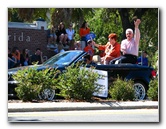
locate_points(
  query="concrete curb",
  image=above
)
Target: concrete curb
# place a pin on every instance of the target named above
(68, 106)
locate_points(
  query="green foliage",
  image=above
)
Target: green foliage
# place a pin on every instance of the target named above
(153, 90)
(13, 15)
(149, 34)
(32, 82)
(78, 83)
(122, 90)
(26, 14)
(104, 22)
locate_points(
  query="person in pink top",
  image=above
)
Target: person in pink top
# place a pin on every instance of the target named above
(130, 45)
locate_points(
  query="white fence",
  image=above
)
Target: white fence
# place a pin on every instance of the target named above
(34, 25)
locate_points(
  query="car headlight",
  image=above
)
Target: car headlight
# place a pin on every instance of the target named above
(9, 76)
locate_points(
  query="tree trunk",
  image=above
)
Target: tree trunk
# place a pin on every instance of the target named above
(123, 12)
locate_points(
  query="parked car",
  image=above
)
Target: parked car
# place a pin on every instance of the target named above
(141, 75)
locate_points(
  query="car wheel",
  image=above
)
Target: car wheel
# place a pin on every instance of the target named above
(140, 90)
(47, 94)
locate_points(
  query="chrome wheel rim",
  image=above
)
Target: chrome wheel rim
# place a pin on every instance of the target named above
(139, 91)
(47, 94)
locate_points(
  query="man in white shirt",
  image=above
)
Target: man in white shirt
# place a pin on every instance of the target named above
(130, 46)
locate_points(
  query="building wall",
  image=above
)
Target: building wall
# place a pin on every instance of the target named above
(30, 39)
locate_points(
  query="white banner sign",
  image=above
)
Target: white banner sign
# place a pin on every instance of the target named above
(103, 84)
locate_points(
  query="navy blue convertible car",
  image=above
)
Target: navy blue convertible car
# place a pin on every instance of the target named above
(140, 74)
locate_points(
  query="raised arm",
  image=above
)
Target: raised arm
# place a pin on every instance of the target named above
(137, 31)
(100, 47)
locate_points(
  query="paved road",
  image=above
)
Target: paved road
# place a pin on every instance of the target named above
(128, 115)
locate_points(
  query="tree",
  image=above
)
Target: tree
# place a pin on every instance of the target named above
(128, 19)
(27, 14)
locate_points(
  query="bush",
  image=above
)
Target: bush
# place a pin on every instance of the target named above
(32, 82)
(122, 90)
(153, 90)
(78, 83)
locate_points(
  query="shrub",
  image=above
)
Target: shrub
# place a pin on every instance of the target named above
(31, 82)
(122, 90)
(78, 83)
(153, 90)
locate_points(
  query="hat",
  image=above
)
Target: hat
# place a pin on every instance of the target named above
(89, 41)
(129, 30)
(112, 36)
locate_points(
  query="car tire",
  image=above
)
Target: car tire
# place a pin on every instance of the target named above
(47, 94)
(140, 90)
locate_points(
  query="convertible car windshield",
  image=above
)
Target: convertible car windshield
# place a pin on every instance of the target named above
(64, 58)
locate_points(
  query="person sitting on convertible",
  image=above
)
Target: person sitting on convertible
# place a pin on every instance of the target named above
(111, 49)
(130, 45)
(89, 61)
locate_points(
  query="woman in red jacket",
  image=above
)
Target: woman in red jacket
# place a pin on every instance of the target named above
(111, 49)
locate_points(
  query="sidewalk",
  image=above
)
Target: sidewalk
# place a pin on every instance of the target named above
(67, 106)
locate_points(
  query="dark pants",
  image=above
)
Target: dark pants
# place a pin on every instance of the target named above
(84, 39)
(127, 58)
(11, 64)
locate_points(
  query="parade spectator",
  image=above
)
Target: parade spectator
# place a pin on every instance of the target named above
(52, 38)
(143, 60)
(70, 33)
(37, 57)
(11, 60)
(84, 30)
(72, 45)
(130, 45)
(89, 49)
(25, 58)
(59, 49)
(48, 36)
(111, 49)
(61, 34)
(16, 55)
(89, 61)
(77, 45)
